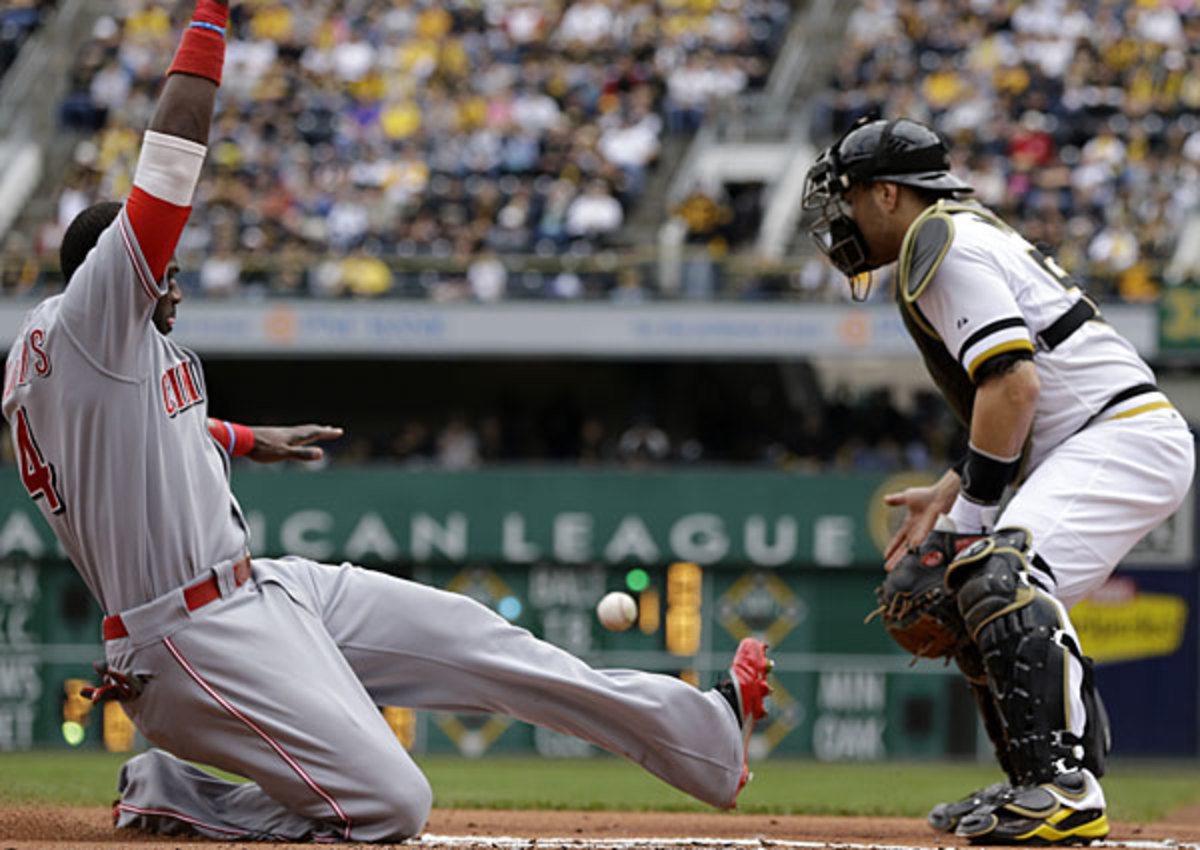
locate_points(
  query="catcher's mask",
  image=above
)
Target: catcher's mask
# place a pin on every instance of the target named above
(898, 151)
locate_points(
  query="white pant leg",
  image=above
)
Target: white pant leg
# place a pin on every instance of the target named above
(1090, 501)
(253, 683)
(417, 646)
(1099, 493)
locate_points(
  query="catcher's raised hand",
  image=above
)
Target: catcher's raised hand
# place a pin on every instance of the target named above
(294, 442)
(923, 505)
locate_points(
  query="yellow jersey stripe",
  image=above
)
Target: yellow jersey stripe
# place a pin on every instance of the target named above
(1125, 414)
(1011, 345)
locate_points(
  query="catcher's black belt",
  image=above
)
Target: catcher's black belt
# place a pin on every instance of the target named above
(1124, 395)
(1060, 329)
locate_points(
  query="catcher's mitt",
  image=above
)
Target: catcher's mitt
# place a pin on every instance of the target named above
(917, 611)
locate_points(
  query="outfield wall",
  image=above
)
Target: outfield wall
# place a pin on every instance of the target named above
(711, 555)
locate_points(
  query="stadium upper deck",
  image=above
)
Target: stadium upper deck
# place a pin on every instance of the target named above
(1078, 120)
(373, 131)
(491, 149)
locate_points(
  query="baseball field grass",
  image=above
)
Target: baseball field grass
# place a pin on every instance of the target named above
(1137, 791)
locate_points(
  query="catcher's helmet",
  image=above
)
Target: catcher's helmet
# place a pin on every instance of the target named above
(899, 151)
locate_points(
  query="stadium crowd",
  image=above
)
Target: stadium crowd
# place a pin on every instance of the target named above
(493, 149)
(18, 20)
(1077, 120)
(355, 136)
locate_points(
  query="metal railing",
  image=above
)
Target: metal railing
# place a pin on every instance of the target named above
(633, 273)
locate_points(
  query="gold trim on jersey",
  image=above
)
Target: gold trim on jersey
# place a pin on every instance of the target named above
(1145, 408)
(1010, 345)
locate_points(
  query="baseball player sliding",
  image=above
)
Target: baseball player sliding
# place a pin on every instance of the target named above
(273, 668)
(1055, 399)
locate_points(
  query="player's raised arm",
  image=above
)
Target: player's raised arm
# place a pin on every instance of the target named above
(173, 149)
(115, 257)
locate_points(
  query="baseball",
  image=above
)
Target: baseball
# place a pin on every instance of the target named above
(617, 611)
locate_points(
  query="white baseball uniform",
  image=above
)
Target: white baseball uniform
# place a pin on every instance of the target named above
(1109, 458)
(273, 669)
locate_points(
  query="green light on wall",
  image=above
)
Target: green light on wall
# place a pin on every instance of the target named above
(637, 580)
(73, 733)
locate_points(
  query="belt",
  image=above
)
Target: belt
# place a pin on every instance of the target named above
(1124, 395)
(194, 596)
(1056, 334)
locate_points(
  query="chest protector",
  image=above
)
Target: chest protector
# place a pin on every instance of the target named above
(925, 246)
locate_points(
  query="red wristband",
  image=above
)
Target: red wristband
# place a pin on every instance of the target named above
(236, 440)
(202, 49)
(243, 440)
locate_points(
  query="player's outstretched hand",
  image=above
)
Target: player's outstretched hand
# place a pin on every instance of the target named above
(923, 505)
(293, 442)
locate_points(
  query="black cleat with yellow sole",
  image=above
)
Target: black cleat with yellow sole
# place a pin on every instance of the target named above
(1039, 815)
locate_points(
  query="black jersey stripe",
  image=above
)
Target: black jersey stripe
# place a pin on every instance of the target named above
(988, 330)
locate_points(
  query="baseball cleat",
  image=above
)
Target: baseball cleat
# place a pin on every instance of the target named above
(944, 817)
(1037, 815)
(746, 690)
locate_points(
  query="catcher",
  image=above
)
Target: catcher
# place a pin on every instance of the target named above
(1054, 399)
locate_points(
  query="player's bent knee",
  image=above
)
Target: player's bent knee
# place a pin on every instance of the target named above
(397, 812)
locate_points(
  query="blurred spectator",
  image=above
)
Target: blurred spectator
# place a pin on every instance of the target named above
(457, 445)
(566, 285)
(707, 214)
(220, 274)
(18, 20)
(487, 278)
(18, 273)
(586, 22)
(594, 445)
(413, 444)
(629, 289)
(364, 275)
(643, 442)
(594, 213)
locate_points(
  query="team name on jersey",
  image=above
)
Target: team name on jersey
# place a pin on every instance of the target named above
(180, 389)
(32, 360)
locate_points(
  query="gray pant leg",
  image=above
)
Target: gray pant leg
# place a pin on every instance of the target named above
(416, 646)
(161, 794)
(253, 684)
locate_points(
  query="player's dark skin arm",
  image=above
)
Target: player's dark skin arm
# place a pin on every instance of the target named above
(272, 444)
(185, 107)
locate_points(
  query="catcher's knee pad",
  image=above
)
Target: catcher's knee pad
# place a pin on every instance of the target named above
(988, 579)
(1026, 650)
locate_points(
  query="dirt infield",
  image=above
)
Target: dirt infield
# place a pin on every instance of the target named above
(22, 828)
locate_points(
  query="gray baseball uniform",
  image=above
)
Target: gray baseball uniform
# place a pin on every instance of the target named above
(273, 669)
(116, 413)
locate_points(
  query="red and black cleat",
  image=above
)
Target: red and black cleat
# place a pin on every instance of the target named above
(748, 677)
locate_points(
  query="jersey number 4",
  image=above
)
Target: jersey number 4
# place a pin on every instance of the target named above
(37, 475)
